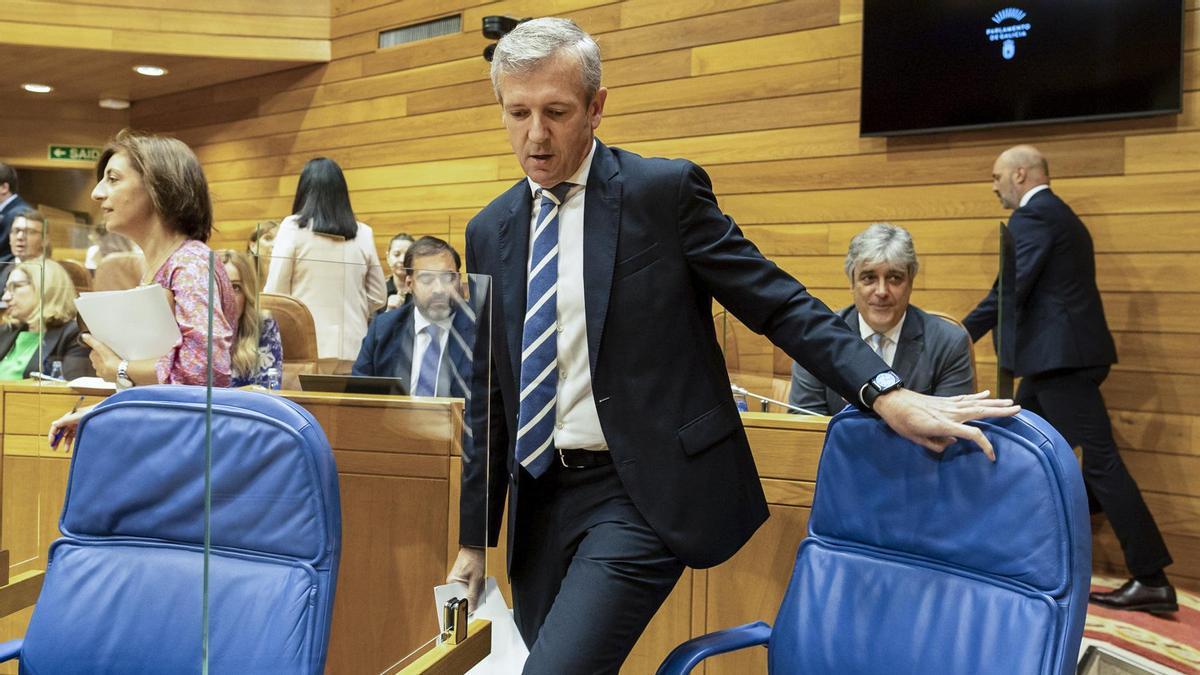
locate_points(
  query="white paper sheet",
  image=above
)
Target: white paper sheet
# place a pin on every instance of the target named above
(508, 649)
(136, 324)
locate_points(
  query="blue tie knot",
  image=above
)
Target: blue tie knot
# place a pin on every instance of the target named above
(557, 193)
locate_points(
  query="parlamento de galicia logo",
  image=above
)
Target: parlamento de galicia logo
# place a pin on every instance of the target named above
(1008, 33)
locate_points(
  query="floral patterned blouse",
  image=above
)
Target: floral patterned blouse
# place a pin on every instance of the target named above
(185, 276)
(270, 355)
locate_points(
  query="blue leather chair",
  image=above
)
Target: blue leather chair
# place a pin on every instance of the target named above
(924, 563)
(123, 587)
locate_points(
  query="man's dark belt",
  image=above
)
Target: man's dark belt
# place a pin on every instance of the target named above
(574, 458)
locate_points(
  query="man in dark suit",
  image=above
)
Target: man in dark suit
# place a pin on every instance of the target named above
(931, 355)
(1057, 340)
(426, 342)
(612, 427)
(10, 204)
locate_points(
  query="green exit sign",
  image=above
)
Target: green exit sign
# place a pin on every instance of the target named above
(74, 153)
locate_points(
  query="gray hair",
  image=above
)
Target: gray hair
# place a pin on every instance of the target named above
(534, 42)
(882, 242)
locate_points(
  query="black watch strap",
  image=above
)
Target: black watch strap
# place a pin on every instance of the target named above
(879, 385)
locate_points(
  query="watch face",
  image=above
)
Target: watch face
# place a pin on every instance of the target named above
(884, 380)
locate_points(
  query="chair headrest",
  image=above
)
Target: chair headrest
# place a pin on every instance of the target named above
(139, 472)
(1007, 519)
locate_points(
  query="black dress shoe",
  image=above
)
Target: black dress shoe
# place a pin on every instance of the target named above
(1134, 595)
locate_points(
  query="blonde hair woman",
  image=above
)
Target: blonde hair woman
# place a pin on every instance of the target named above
(257, 349)
(41, 311)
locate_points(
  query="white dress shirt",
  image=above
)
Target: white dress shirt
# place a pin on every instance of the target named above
(1029, 195)
(7, 200)
(421, 343)
(890, 339)
(577, 424)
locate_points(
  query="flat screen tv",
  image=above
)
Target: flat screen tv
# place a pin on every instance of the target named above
(936, 65)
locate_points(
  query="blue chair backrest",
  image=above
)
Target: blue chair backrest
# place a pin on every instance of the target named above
(925, 563)
(123, 587)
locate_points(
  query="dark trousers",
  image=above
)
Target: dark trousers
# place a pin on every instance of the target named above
(589, 573)
(1070, 400)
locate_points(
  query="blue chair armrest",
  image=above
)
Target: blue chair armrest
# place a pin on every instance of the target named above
(10, 650)
(686, 656)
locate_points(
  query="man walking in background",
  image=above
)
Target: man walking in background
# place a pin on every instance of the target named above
(1061, 348)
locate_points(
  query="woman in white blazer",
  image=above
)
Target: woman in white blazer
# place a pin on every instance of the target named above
(327, 259)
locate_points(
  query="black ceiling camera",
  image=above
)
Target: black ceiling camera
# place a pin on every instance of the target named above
(496, 27)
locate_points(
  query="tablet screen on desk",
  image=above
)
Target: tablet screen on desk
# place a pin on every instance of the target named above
(353, 384)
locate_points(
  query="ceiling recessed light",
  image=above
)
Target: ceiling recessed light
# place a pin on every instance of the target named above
(150, 71)
(35, 88)
(114, 103)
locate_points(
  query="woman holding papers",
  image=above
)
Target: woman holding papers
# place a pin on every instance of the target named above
(152, 190)
(41, 311)
(326, 259)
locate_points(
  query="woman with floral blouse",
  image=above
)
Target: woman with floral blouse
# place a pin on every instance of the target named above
(152, 190)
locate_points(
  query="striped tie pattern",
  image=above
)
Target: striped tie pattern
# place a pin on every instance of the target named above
(539, 343)
(427, 378)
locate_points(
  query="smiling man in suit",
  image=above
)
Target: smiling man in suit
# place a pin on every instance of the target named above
(931, 355)
(426, 342)
(1060, 345)
(612, 427)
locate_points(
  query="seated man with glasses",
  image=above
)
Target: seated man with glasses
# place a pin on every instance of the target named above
(426, 342)
(28, 240)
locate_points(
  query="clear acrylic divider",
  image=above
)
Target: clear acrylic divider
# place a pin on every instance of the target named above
(30, 503)
(394, 389)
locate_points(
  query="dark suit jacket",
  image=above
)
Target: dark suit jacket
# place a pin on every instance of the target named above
(7, 215)
(657, 251)
(58, 344)
(387, 351)
(932, 356)
(1058, 313)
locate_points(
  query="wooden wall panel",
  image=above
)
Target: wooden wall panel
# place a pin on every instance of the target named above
(285, 31)
(765, 96)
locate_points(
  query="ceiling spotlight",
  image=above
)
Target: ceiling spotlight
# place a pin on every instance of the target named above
(34, 88)
(150, 71)
(114, 103)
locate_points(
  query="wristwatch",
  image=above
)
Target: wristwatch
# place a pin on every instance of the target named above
(123, 381)
(879, 385)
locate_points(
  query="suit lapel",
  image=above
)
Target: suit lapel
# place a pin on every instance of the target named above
(513, 238)
(601, 227)
(7, 339)
(912, 343)
(407, 345)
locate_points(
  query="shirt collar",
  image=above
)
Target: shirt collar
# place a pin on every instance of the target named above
(580, 176)
(14, 196)
(420, 322)
(865, 331)
(1032, 191)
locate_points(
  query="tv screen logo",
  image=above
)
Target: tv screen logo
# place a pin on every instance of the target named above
(1010, 27)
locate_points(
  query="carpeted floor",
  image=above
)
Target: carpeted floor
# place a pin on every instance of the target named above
(1171, 641)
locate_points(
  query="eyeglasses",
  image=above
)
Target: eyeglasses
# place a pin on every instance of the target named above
(26, 231)
(431, 278)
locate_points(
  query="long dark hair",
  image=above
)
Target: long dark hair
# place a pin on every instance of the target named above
(323, 200)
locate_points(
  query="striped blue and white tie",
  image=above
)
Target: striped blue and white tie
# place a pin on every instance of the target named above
(539, 341)
(428, 376)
